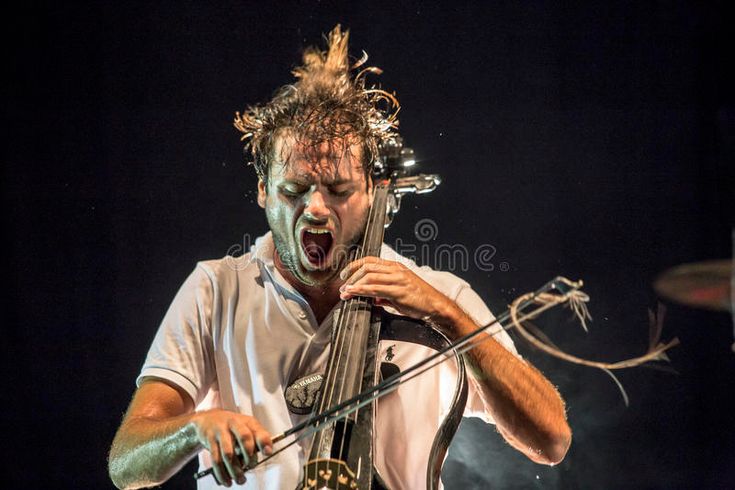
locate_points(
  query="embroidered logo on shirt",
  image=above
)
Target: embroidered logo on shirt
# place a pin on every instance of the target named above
(301, 394)
(389, 353)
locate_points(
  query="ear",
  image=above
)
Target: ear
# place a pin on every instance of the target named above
(261, 193)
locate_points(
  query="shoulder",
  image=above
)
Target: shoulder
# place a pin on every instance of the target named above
(230, 269)
(226, 273)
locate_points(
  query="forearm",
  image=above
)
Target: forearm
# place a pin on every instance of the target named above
(527, 409)
(147, 451)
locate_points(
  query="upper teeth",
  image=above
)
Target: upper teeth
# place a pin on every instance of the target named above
(317, 231)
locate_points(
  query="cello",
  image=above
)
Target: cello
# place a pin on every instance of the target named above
(342, 452)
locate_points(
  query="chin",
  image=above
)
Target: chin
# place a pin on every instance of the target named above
(299, 267)
(316, 275)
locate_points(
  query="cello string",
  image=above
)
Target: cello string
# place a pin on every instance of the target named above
(348, 306)
(351, 302)
(369, 239)
(377, 228)
(338, 343)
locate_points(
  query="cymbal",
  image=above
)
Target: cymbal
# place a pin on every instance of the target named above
(700, 284)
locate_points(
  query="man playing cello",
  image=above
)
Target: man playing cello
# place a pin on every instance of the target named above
(241, 330)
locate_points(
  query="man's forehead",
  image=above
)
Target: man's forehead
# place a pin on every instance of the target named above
(335, 160)
(326, 173)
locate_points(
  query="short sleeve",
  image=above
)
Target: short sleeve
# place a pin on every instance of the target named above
(181, 352)
(475, 307)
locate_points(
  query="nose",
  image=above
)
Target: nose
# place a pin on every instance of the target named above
(316, 209)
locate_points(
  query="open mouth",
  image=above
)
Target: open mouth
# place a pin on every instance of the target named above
(316, 244)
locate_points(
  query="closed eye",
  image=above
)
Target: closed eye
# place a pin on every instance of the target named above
(295, 190)
(292, 190)
(340, 190)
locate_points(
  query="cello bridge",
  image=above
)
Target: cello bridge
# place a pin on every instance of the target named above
(328, 473)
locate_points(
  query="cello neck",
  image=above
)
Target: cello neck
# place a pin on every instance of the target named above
(375, 228)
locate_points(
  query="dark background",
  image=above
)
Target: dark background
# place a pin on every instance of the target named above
(591, 139)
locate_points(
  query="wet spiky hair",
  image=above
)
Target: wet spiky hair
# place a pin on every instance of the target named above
(325, 103)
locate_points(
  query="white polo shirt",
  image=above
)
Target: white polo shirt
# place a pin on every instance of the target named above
(237, 334)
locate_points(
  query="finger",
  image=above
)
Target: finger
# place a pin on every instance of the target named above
(383, 302)
(372, 278)
(240, 445)
(243, 459)
(372, 291)
(356, 264)
(248, 440)
(264, 442)
(262, 437)
(227, 452)
(369, 269)
(217, 466)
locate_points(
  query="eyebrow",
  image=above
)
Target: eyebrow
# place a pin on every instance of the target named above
(306, 179)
